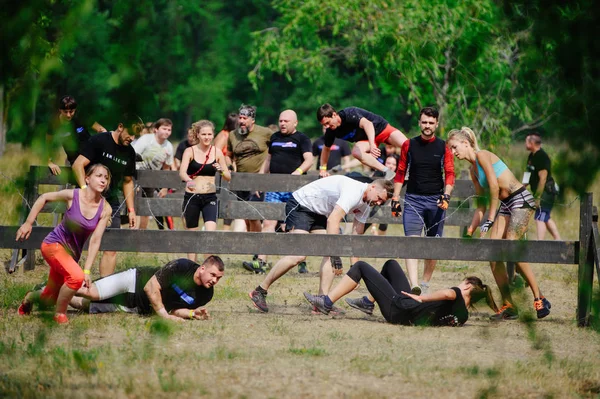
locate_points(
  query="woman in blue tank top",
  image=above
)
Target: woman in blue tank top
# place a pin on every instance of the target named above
(199, 164)
(510, 221)
(87, 215)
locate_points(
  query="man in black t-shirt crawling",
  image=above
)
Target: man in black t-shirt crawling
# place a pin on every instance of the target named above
(178, 290)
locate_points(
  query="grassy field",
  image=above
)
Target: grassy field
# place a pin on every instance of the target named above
(289, 352)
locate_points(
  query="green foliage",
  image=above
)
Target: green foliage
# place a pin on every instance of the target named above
(160, 328)
(312, 351)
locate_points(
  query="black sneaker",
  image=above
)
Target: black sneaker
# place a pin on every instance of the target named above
(302, 269)
(260, 300)
(318, 301)
(506, 312)
(361, 304)
(256, 266)
(542, 307)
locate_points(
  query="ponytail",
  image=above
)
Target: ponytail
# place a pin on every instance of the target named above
(465, 134)
(481, 291)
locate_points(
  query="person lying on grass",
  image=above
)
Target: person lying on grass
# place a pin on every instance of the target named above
(176, 291)
(391, 290)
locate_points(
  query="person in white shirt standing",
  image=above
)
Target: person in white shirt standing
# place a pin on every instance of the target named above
(156, 153)
(319, 208)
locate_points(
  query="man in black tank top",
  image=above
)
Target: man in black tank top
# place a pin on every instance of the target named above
(427, 160)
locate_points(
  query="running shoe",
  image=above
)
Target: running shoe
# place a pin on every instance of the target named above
(256, 266)
(25, 307)
(318, 301)
(542, 307)
(335, 311)
(389, 174)
(546, 302)
(416, 290)
(362, 304)
(506, 312)
(61, 318)
(424, 287)
(260, 300)
(302, 269)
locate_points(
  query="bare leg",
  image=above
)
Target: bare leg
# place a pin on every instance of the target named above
(429, 268)
(144, 222)
(327, 275)
(413, 271)
(254, 225)
(267, 227)
(516, 228)
(64, 297)
(541, 229)
(499, 268)
(396, 138)
(345, 286)
(108, 263)
(239, 225)
(360, 152)
(553, 229)
(89, 293)
(282, 266)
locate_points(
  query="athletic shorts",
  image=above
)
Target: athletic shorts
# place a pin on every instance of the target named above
(194, 204)
(301, 218)
(421, 211)
(543, 214)
(278, 197)
(116, 293)
(520, 199)
(116, 215)
(384, 135)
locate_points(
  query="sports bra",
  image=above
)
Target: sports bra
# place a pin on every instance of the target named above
(197, 169)
(499, 167)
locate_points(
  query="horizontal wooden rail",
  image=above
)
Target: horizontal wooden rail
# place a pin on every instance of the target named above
(219, 242)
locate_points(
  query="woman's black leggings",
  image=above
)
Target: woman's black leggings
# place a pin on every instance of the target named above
(384, 286)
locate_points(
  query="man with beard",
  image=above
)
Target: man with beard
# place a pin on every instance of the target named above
(430, 165)
(289, 153)
(113, 149)
(247, 149)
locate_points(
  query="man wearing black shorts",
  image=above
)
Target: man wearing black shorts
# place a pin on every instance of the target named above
(362, 127)
(430, 165)
(176, 291)
(543, 187)
(113, 150)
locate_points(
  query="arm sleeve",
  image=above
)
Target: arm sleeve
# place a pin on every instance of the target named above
(403, 163)
(328, 138)
(449, 174)
(305, 144)
(545, 164)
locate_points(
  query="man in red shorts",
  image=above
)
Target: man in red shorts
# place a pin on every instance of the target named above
(362, 127)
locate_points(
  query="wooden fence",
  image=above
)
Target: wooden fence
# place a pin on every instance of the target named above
(583, 252)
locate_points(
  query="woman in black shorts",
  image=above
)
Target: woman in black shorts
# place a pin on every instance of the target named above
(391, 290)
(199, 164)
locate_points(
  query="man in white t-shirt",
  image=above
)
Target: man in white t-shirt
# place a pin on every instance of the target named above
(156, 153)
(319, 208)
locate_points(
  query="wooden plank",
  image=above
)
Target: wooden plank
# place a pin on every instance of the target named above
(220, 242)
(585, 261)
(596, 248)
(159, 179)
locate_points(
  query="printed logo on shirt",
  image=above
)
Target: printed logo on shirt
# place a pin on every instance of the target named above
(349, 135)
(285, 145)
(114, 158)
(79, 129)
(185, 297)
(334, 147)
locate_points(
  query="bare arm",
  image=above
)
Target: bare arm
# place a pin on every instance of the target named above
(369, 129)
(345, 163)
(266, 165)
(192, 314)
(324, 159)
(152, 290)
(223, 166)
(96, 239)
(485, 161)
(25, 230)
(220, 142)
(54, 168)
(79, 169)
(543, 175)
(306, 165)
(334, 220)
(128, 193)
(358, 228)
(480, 211)
(441, 295)
(98, 127)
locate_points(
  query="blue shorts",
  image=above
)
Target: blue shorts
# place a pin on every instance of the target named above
(301, 218)
(278, 197)
(422, 211)
(542, 214)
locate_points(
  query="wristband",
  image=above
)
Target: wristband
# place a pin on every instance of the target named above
(299, 170)
(85, 271)
(191, 313)
(323, 167)
(130, 210)
(84, 186)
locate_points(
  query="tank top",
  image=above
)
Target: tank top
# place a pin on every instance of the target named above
(75, 229)
(197, 169)
(499, 167)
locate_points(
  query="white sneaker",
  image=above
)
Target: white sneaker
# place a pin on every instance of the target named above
(389, 174)
(424, 287)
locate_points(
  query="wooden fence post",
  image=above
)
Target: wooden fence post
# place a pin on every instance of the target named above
(586, 261)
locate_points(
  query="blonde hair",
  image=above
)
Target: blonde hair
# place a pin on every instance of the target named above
(197, 126)
(464, 133)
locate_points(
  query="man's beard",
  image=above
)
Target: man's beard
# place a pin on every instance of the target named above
(243, 130)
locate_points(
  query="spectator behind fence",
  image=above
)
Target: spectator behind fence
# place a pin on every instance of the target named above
(188, 142)
(68, 132)
(289, 153)
(199, 165)
(156, 152)
(247, 148)
(231, 123)
(113, 149)
(543, 186)
(339, 155)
